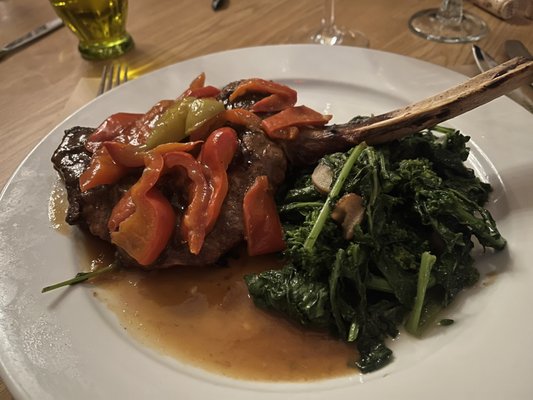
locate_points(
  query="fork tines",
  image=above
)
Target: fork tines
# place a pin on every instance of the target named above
(112, 76)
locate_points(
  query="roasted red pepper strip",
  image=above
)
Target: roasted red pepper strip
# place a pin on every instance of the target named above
(110, 129)
(101, 171)
(198, 89)
(281, 96)
(291, 117)
(240, 116)
(273, 103)
(113, 160)
(133, 156)
(197, 82)
(121, 211)
(216, 155)
(176, 146)
(125, 154)
(262, 227)
(237, 116)
(206, 91)
(194, 221)
(146, 229)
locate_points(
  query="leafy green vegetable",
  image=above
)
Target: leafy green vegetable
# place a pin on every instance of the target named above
(292, 293)
(409, 257)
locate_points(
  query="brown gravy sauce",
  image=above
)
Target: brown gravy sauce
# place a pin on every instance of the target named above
(204, 316)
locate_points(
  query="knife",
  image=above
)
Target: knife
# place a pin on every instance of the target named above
(523, 95)
(515, 48)
(30, 36)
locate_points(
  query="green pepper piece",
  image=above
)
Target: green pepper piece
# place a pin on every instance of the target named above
(200, 111)
(183, 118)
(171, 126)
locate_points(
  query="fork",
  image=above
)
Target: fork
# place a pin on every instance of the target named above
(112, 76)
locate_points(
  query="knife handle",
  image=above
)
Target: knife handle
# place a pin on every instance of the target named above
(30, 36)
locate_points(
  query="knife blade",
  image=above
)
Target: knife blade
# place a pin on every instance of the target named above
(523, 95)
(30, 36)
(515, 48)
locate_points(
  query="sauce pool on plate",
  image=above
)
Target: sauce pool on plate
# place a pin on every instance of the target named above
(203, 316)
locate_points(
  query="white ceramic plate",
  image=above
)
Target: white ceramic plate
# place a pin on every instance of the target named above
(65, 345)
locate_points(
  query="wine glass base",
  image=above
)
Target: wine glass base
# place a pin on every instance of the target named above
(340, 36)
(429, 25)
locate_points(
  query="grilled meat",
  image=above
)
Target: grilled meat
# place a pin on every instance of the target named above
(257, 156)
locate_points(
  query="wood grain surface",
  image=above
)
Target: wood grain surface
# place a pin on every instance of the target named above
(37, 82)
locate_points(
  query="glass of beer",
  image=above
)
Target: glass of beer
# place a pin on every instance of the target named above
(100, 26)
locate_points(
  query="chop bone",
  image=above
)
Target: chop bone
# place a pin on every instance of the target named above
(313, 143)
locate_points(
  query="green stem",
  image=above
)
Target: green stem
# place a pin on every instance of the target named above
(443, 129)
(80, 277)
(302, 204)
(426, 263)
(335, 190)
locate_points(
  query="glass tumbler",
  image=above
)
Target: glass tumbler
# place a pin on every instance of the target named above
(100, 26)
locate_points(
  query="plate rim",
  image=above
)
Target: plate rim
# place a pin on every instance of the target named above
(10, 380)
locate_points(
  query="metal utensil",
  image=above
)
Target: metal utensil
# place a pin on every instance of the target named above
(522, 95)
(217, 4)
(30, 37)
(515, 48)
(112, 76)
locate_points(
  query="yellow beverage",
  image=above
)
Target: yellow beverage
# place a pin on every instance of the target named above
(100, 26)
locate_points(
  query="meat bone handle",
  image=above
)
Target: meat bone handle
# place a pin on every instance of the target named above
(455, 101)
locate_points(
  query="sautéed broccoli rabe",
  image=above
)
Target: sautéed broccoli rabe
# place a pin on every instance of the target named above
(402, 262)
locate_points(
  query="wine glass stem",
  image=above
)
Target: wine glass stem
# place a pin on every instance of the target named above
(329, 16)
(451, 12)
(330, 34)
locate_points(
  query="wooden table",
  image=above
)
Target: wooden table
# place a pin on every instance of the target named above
(37, 82)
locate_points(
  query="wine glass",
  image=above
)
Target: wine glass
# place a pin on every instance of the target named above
(331, 34)
(448, 24)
